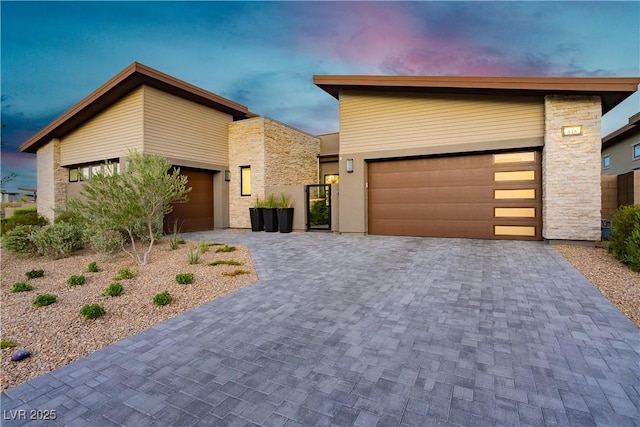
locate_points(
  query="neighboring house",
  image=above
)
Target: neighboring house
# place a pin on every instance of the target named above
(498, 158)
(621, 148)
(480, 157)
(621, 167)
(146, 110)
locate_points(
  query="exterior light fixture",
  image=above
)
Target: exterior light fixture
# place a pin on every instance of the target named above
(227, 175)
(349, 165)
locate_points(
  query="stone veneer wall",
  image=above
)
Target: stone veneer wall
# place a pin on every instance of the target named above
(278, 155)
(609, 187)
(52, 180)
(571, 196)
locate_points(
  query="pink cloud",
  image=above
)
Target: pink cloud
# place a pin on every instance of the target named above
(17, 161)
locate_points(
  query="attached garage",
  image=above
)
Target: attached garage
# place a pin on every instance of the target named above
(486, 196)
(197, 213)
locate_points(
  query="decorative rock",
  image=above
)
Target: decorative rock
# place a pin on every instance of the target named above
(19, 355)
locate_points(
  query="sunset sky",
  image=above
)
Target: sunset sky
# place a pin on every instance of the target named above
(264, 54)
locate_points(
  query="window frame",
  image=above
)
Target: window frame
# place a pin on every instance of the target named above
(606, 161)
(243, 169)
(635, 151)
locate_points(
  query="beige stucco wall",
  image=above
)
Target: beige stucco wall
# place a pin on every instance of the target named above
(52, 180)
(621, 156)
(279, 155)
(374, 121)
(108, 135)
(571, 196)
(184, 130)
(329, 143)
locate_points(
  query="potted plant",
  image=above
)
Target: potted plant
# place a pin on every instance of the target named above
(285, 213)
(256, 215)
(269, 214)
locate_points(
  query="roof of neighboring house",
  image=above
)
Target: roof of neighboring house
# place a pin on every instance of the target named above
(613, 90)
(120, 85)
(631, 128)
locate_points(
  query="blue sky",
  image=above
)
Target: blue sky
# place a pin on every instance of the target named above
(264, 54)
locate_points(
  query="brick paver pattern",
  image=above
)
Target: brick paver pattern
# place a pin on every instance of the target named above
(367, 331)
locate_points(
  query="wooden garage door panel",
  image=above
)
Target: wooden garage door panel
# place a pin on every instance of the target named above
(197, 213)
(453, 197)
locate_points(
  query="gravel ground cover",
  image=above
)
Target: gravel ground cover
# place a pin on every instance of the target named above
(57, 334)
(617, 282)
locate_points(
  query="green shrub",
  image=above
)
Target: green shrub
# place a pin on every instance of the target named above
(58, 240)
(93, 267)
(34, 274)
(224, 262)
(184, 278)
(18, 239)
(68, 216)
(21, 287)
(125, 273)
(76, 280)
(23, 217)
(7, 344)
(235, 273)
(92, 311)
(204, 247)
(106, 242)
(44, 299)
(193, 255)
(625, 236)
(163, 298)
(113, 290)
(226, 248)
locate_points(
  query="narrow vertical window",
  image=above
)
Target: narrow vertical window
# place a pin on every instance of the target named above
(606, 162)
(245, 180)
(636, 152)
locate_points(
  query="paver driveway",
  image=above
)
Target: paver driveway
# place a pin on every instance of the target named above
(368, 331)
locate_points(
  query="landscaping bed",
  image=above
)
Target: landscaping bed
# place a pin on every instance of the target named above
(58, 334)
(617, 282)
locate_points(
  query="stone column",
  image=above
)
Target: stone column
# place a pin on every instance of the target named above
(52, 180)
(571, 196)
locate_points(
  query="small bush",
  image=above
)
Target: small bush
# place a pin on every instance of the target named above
(625, 236)
(225, 262)
(113, 290)
(235, 273)
(106, 242)
(93, 267)
(18, 239)
(226, 248)
(34, 274)
(58, 240)
(163, 298)
(68, 216)
(204, 247)
(193, 255)
(184, 278)
(7, 344)
(76, 280)
(124, 274)
(44, 299)
(92, 311)
(23, 217)
(21, 287)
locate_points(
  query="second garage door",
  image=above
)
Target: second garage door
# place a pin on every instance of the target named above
(197, 213)
(486, 196)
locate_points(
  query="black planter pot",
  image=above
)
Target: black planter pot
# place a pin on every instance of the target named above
(257, 219)
(270, 216)
(285, 219)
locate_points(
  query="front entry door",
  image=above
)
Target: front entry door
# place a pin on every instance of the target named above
(319, 207)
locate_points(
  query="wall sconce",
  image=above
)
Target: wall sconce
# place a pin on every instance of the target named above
(227, 175)
(349, 165)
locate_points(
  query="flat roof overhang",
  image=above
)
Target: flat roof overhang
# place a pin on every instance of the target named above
(612, 90)
(132, 77)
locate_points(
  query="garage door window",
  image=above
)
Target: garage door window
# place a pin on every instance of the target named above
(245, 180)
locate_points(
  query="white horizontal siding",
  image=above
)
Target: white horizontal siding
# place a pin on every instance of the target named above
(108, 135)
(380, 122)
(181, 129)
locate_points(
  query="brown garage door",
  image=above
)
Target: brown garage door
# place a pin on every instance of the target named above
(486, 196)
(197, 213)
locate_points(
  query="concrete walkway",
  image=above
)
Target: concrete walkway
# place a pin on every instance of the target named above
(366, 331)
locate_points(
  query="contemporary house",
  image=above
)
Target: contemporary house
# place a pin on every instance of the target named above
(621, 167)
(478, 157)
